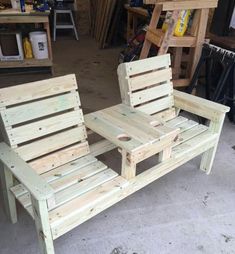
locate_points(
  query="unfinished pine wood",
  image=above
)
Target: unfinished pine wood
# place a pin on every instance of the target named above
(56, 159)
(33, 110)
(73, 185)
(7, 182)
(52, 143)
(165, 40)
(16, 94)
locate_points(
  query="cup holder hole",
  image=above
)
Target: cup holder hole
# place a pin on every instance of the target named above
(124, 137)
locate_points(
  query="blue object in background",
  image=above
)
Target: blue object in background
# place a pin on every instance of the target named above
(22, 5)
(136, 3)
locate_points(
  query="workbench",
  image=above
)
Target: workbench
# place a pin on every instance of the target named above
(14, 17)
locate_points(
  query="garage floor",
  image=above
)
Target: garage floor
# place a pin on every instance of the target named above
(184, 212)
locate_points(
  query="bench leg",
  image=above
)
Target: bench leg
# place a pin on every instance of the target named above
(208, 159)
(209, 156)
(165, 154)
(7, 182)
(42, 226)
(128, 166)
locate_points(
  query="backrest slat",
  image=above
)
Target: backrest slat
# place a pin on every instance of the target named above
(150, 78)
(52, 143)
(36, 90)
(42, 121)
(33, 110)
(146, 85)
(44, 127)
(153, 63)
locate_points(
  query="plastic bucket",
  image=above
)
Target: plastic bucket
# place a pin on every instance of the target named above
(39, 44)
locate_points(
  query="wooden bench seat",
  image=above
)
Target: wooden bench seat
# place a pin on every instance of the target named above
(69, 181)
(49, 167)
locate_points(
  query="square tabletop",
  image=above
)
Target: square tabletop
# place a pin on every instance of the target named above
(128, 128)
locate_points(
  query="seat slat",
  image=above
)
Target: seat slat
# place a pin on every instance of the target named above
(49, 144)
(56, 159)
(151, 94)
(156, 106)
(165, 115)
(77, 176)
(36, 90)
(59, 217)
(44, 127)
(82, 187)
(74, 190)
(141, 66)
(190, 133)
(68, 168)
(149, 79)
(33, 110)
(79, 169)
(187, 125)
(176, 121)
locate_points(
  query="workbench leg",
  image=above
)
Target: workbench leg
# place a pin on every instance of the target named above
(47, 28)
(128, 166)
(176, 66)
(41, 217)
(209, 156)
(153, 25)
(195, 53)
(7, 181)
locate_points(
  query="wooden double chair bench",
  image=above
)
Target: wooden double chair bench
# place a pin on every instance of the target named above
(49, 167)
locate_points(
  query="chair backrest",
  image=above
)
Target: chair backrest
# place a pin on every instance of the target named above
(146, 85)
(43, 122)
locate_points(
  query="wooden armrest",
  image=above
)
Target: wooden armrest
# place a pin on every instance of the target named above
(199, 106)
(39, 188)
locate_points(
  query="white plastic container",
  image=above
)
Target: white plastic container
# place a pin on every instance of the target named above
(39, 44)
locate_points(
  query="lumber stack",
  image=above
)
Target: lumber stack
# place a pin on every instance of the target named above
(104, 16)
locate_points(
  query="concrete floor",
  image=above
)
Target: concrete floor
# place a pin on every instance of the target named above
(184, 212)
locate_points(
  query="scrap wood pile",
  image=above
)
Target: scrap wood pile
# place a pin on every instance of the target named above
(105, 20)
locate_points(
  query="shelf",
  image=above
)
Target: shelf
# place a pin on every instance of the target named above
(26, 63)
(156, 36)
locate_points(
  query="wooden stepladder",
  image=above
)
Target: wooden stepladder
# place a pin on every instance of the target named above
(165, 40)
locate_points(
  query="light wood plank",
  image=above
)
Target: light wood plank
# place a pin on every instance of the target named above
(149, 79)
(41, 218)
(151, 94)
(36, 90)
(59, 158)
(165, 115)
(33, 110)
(77, 176)
(7, 181)
(25, 174)
(82, 187)
(44, 127)
(199, 106)
(156, 106)
(101, 147)
(79, 210)
(49, 144)
(68, 168)
(190, 133)
(141, 66)
(176, 121)
(67, 177)
(87, 200)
